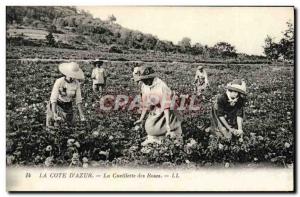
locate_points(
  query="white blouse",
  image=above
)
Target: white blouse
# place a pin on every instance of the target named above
(66, 92)
(156, 94)
(202, 76)
(99, 75)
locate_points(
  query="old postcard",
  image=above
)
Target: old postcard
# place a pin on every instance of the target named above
(142, 98)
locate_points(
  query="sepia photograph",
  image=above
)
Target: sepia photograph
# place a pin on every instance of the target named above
(150, 98)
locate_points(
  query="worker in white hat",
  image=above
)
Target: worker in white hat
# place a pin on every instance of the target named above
(99, 76)
(201, 80)
(227, 113)
(65, 90)
(135, 71)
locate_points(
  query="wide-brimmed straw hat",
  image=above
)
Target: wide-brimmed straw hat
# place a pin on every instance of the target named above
(98, 61)
(238, 86)
(71, 69)
(145, 72)
(200, 67)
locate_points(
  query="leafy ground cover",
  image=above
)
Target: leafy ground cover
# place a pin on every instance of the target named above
(110, 138)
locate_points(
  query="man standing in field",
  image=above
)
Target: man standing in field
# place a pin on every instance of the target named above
(99, 76)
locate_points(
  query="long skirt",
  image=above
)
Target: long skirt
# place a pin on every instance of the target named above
(98, 87)
(155, 124)
(63, 109)
(217, 126)
(200, 88)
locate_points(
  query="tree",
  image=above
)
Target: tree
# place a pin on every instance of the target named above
(50, 39)
(125, 37)
(271, 49)
(114, 49)
(284, 48)
(286, 44)
(185, 44)
(225, 49)
(149, 42)
(197, 49)
(169, 45)
(111, 19)
(164, 46)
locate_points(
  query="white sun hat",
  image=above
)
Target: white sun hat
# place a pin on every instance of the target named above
(238, 86)
(199, 67)
(71, 69)
(145, 72)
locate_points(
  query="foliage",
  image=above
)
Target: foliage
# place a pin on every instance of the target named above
(114, 49)
(284, 49)
(185, 44)
(271, 49)
(224, 49)
(16, 14)
(112, 19)
(287, 43)
(129, 54)
(109, 138)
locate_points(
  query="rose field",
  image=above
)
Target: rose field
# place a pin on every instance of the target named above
(109, 138)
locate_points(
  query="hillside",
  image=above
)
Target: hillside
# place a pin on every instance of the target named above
(71, 28)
